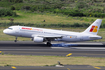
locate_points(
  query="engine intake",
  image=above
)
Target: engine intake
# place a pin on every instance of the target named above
(38, 39)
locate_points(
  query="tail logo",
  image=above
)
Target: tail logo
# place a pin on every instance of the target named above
(93, 28)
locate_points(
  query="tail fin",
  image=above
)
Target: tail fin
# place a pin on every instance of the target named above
(94, 27)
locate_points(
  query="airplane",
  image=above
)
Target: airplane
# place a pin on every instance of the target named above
(47, 35)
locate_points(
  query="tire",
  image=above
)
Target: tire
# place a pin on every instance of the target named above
(15, 41)
(49, 44)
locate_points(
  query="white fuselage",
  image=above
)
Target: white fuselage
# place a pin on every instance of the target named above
(67, 36)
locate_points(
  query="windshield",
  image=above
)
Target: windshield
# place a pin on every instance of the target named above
(10, 28)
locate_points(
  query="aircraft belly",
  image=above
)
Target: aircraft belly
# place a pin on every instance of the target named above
(69, 38)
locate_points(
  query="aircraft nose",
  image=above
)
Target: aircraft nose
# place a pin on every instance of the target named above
(5, 31)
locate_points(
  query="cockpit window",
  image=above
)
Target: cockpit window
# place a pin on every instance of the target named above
(10, 28)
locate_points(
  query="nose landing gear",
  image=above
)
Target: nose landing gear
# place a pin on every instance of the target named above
(15, 39)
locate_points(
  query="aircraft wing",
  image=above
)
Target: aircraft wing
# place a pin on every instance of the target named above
(54, 36)
(49, 36)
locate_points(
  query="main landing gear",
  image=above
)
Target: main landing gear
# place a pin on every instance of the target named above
(49, 44)
(15, 39)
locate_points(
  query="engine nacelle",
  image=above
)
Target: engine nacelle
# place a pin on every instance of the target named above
(38, 39)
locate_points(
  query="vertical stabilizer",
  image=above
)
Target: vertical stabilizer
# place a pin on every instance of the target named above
(94, 27)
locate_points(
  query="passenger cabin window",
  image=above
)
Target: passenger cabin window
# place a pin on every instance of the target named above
(10, 28)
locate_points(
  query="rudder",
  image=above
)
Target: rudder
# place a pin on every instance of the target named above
(94, 27)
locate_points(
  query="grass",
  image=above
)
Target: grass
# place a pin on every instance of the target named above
(50, 18)
(26, 60)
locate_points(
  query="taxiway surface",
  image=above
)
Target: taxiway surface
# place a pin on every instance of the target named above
(65, 67)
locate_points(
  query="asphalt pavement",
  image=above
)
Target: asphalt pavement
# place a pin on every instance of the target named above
(65, 67)
(85, 49)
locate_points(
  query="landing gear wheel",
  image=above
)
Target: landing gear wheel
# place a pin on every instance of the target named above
(49, 44)
(15, 40)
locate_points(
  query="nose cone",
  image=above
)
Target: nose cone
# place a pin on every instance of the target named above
(8, 31)
(4, 31)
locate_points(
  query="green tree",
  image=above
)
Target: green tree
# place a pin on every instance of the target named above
(16, 1)
(81, 5)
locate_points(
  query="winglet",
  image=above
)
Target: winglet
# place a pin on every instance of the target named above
(94, 27)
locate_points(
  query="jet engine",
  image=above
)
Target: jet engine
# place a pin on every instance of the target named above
(38, 39)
